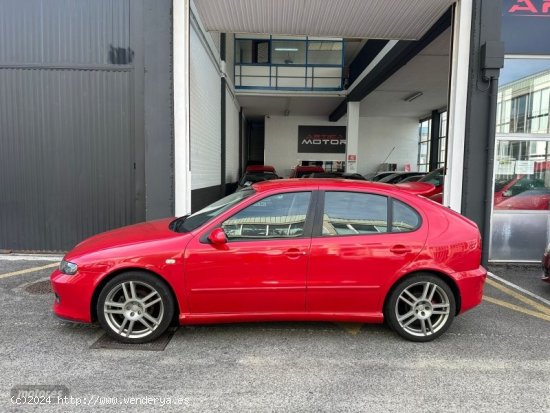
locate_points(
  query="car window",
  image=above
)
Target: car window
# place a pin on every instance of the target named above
(277, 216)
(192, 222)
(388, 178)
(352, 213)
(525, 184)
(405, 219)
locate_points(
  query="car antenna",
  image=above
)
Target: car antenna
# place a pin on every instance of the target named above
(393, 149)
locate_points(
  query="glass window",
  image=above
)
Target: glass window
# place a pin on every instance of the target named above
(288, 52)
(352, 213)
(277, 216)
(522, 175)
(442, 159)
(192, 222)
(324, 52)
(424, 131)
(249, 51)
(524, 96)
(405, 219)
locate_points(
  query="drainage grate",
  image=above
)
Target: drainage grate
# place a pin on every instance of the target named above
(107, 343)
(39, 287)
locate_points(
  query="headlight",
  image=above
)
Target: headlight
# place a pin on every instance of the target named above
(69, 268)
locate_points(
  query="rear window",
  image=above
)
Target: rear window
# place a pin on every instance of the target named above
(356, 213)
(405, 219)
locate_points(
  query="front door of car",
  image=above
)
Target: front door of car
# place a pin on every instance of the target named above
(355, 252)
(262, 266)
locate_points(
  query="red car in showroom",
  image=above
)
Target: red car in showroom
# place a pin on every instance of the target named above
(323, 250)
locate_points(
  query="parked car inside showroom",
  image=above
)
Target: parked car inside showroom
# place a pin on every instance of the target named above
(336, 175)
(399, 176)
(250, 178)
(285, 250)
(301, 171)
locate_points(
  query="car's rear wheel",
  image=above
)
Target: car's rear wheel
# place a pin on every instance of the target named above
(420, 307)
(135, 307)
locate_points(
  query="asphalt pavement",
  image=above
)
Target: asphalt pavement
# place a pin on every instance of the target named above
(494, 358)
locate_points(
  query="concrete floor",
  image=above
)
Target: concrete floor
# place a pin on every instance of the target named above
(493, 358)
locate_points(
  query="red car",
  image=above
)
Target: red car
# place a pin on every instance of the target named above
(301, 171)
(260, 168)
(323, 250)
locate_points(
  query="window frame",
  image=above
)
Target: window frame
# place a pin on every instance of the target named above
(308, 225)
(425, 165)
(320, 210)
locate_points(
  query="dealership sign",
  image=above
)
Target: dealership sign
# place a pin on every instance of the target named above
(525, 25)
(321, 139)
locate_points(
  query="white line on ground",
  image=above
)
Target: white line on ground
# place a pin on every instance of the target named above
(30, 257)
(517, 287)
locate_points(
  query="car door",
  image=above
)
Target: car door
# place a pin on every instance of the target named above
(355, 252)
(262, 266)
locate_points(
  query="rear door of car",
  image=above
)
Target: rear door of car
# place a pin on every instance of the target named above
(355, 252)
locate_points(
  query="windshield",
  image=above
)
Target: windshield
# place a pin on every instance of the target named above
(192, 222)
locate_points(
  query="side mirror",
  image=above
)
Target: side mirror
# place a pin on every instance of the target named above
(217, 237)
(507, 194)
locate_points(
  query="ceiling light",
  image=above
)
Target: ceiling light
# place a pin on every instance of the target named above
(412, 97)
(286, 49)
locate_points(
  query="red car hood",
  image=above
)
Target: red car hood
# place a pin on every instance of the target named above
(133, 234)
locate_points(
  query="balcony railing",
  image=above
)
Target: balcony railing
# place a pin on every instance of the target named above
(305, 64)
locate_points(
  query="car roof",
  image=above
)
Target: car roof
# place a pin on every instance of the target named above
(325, 183)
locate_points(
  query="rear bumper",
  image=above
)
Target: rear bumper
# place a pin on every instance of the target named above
(470, 284)
(72, 296)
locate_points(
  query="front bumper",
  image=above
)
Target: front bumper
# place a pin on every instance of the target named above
(72, 296)
(470, 284)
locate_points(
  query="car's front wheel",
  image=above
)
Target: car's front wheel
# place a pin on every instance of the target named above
(135, 307)
(420, 307)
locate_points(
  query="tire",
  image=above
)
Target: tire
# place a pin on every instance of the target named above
(420, 308)
(135, 307)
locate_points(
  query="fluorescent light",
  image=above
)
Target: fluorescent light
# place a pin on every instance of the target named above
(412, 97)
(286, 49)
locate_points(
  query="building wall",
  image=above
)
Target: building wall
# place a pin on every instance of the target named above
(205, 120)
(158, 107)
(85, 89)
(378, 136)
(232, 109)
(206, 109)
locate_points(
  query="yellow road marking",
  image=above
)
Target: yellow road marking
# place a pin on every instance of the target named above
(514, 307)
(28, 270)
(351, 328)
(539, 307)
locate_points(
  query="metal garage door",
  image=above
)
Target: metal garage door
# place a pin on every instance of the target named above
(67, 135)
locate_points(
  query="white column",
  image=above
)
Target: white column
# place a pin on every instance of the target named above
(452, 196)
(352, 137)
(182, 169)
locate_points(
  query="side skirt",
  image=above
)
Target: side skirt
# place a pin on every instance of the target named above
(188, 319)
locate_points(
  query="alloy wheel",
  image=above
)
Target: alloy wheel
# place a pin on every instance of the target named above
(422, 309)
(133, 309)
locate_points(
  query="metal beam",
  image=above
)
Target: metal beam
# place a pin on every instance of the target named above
(394, 60)
(479, 142)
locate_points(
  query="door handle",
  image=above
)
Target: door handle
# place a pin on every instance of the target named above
(294, 253)
(400, 249)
